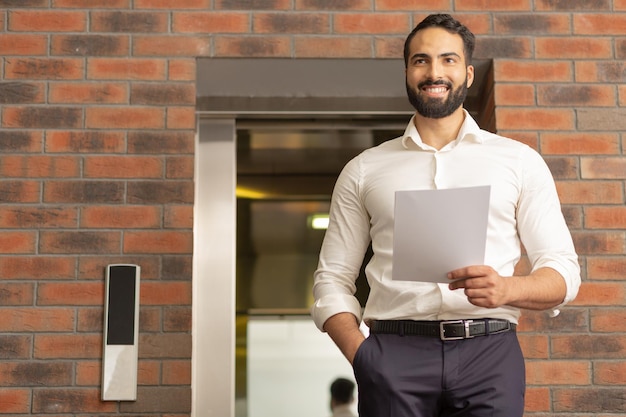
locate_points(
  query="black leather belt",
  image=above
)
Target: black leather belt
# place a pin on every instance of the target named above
(445, 330)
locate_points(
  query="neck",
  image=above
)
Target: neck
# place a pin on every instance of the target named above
(439, 132)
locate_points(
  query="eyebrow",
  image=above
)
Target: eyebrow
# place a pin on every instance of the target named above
(444, 55)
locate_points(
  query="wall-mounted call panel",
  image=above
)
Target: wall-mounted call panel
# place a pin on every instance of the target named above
(121, 331)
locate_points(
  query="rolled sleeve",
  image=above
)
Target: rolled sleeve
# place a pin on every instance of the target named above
(332, 304)
(543, 229)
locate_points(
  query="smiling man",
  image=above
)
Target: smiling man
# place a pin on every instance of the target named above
(435, 349)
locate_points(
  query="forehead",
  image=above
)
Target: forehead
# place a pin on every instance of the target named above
(435, 41)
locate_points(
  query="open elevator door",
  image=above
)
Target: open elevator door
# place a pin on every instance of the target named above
(239, 95)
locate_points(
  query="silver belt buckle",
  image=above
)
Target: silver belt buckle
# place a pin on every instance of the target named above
(466, 324)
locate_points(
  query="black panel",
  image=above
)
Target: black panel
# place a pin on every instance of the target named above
(121, 309)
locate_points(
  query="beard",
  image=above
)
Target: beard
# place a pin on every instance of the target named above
(434, 108)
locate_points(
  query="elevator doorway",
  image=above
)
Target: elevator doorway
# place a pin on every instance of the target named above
(286, 170)
(322, 103)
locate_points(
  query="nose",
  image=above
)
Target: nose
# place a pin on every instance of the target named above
(434, 70)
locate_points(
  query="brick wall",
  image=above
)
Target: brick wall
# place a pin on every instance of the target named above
(96, 167)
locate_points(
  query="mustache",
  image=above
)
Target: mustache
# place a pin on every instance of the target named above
(431, 82)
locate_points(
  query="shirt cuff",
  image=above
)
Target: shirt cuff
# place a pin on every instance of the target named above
(330, 305)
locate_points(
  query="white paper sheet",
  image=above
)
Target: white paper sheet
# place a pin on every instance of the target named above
(437, 231)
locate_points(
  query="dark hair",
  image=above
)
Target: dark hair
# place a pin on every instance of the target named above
(341, 390)
(447, 22)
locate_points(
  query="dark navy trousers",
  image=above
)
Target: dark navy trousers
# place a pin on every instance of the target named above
(418, 376)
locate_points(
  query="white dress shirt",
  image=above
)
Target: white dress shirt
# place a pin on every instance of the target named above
(524, 209)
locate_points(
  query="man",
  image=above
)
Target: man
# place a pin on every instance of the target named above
(442, 349)
(341, 397)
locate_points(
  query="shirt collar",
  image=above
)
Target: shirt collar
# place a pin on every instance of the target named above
(470, 131)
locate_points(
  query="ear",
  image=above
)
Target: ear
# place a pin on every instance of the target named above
(470, 75)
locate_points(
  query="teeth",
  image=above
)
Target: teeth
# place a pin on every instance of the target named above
(437, 90)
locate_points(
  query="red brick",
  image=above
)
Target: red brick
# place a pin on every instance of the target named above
(180, 167)
(37, 217)
(90, 45)
(172, 94)
(70, 294)
(44, 68)
(600, 23)
(47, 21)
(579, 143)
(576, 95)
(603, 168)
(532, 23)
(573, 47)
(368, 23)
(181, 118)
(567, 6)
(123, 167)
(295, 23)
(252, 46)
(558, 373)
(325, 4)
(96, 4)
(129, 21)
(182, 46)
(23, 45)
(42, 117)
(514, 94)
(601, 71)
(14, 294)
(125, 217)
(328, 47)
(609, 372)
(38, 319)
(67, 346)
(411, 5)
(534, 119)
(149, 372)
(74, 93)
(537, 399)
(535, 346)
(590, 192)
(608, 268)
(17, 92)
(580, 346)
(388, 47)
(601, 294)
(177, 319)
(176, 373)
(161, 142)
(126, 69)
(62, 400)
(15, 401)
(608, 320)
(40, 166)
(599, 243)
(88, 373)
(79, 242)
(210, 22)
(158, 242)
(37, 267)
(125, 117)
(532, 71)
(167, 4)
(59, 141)
(613, 217)
(160, 192)
(182, 69)
(165, 293)
(493, 5)
(178, 217)
(20, 191)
